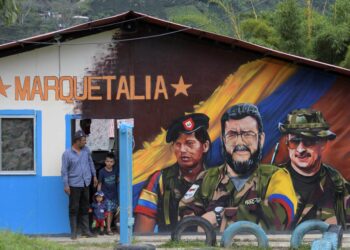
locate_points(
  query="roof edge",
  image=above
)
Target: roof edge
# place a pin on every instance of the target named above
(186, 29)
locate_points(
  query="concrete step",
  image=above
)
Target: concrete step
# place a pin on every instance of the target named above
(276, 241)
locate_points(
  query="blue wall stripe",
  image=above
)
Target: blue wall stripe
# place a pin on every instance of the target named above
(38, 142)
(17, 112)
(68, 119)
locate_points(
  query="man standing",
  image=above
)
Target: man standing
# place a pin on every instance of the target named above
(158, 202)
(237, 189)
(320, 188)
(77, 170)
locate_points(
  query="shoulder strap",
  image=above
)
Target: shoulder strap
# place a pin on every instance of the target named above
(336, 178)
(339, 186)
(169, 185)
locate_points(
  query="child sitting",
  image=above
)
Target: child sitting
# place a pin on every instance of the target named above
(98, 208)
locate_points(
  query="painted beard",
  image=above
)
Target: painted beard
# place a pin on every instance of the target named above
(244, 168)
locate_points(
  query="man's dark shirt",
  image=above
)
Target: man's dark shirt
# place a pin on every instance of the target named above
(304, 185)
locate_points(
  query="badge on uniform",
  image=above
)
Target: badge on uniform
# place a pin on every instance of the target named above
(190, 193)
(252, 201)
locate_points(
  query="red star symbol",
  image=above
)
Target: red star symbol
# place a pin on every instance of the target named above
(3, 88)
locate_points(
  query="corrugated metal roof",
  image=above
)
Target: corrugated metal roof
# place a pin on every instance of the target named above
(111, 22)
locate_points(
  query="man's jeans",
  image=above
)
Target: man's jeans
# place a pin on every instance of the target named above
(79, 204)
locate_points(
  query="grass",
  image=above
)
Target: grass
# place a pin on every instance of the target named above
(14, 241)
(106, 245)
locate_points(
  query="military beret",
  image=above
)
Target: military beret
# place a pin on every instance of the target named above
(187, 124)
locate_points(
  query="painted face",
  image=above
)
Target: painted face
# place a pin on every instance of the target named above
(241, 138)
(109, 162)
(305, 153)
(242, 144)
(189, 151)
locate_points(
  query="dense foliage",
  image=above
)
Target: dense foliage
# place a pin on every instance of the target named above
(317, 29)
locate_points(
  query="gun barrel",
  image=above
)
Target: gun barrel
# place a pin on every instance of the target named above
(275, 153)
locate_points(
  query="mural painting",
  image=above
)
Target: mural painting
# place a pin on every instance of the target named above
(206, 128)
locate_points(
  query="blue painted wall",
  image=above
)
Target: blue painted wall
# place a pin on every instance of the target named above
(33, 204)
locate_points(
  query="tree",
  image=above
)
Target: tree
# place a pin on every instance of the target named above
(346, 62)
(8, 11)
(288, 24)
(341, 12)
(259, 31)
(229, 10)
(198, 16)
(331, 43)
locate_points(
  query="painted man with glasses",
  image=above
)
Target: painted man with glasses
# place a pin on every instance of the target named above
(320, 189)
(239, 189)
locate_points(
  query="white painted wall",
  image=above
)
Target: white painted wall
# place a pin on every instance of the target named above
(45, 62)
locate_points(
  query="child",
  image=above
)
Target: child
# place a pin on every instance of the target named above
(107, 182)
(98, 209)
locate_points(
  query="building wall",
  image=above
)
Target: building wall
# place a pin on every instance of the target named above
(155, 81)
(36, 203)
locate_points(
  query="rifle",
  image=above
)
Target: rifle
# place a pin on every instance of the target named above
(275, 152)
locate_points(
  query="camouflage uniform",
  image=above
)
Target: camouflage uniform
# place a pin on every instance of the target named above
(328, 200)
(161, 195)
(250, 203)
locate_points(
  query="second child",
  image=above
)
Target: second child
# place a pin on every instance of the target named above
(107, 183)
(98, 209)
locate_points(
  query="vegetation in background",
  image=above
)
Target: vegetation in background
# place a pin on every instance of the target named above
(8, 11)
(317, 29)
(14, 241)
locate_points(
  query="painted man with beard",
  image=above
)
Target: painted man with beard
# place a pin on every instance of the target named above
(238, 190)
(321, 189)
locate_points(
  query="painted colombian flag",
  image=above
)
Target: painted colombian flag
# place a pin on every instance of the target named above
(276, 87)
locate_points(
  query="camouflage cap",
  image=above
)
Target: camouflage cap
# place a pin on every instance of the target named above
(308, 123)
